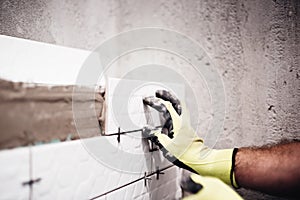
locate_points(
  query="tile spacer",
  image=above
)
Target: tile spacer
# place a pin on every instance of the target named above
(151, 148)
(146, 179)
(158, 172)
(119, 135)
(31, 182)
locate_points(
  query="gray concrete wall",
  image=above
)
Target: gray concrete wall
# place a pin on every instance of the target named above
(254, 44)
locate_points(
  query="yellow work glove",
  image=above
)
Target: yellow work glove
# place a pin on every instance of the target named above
(181, 145)
(207, 188)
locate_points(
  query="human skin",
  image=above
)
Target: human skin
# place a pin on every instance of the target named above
(273, 169)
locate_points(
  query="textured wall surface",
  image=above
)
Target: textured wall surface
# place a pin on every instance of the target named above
(254, 44)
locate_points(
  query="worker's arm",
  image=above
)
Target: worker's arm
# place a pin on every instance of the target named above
(274, 170)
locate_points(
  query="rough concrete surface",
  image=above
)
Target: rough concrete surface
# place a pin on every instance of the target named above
(254, 44)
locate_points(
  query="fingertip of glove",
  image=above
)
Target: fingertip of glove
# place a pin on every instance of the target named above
(148, 100)
(190, 185)
(171, 135)
(159, 93)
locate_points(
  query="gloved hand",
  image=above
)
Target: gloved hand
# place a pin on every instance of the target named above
(181, 145)
(207, 188)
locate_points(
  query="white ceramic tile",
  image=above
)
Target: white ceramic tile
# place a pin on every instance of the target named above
(14, 170)
(37, 62)
(68, 171)
(125, 107)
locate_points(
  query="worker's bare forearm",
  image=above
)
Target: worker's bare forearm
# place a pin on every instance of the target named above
(274, 170)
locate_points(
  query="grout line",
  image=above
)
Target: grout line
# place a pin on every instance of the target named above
(31, 181)
(30, 172)
(125, 132)
(130, 183)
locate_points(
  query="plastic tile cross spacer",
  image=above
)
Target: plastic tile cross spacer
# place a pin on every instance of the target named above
(158, 172)
(146, 179)
(151, 148)
(31, 182)
(119, 135)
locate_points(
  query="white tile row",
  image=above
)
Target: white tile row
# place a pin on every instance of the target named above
(68, 171)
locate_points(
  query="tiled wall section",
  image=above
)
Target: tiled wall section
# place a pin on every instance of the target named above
(68, 171)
